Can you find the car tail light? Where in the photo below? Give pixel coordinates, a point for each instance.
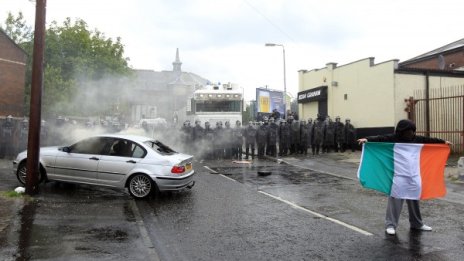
(178, 169)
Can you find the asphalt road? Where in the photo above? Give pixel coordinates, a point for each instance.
(293, 214)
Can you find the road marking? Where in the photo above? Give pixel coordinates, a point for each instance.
(211, 170)
(228, 177)
(318, 214)
(153, 256)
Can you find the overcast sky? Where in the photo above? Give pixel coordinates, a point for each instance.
(223, 40)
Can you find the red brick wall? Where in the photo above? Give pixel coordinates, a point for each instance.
(452, 60)
(12, 78)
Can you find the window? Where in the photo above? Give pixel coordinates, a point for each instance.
(126, 148)
(218, 106)
(90, 146)
(138, 152)
(160, 147)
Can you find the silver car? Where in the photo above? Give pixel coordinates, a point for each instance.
(141, 164)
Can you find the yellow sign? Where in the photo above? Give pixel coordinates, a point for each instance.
(264, 104)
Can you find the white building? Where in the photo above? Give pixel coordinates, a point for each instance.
(371, 95)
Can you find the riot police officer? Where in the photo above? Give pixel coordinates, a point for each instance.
(198, 134)
(329, 135)
(318, 134)
(23, 135)
(295, 136)
(284, 137)
(208, 141)
(187, 136)
(219, 141)
(350, 135)
(339, 135)
(228, 140)
(237, 134)
(250, 140)
(272, 138)
(309, 128)
(303, 146)
(6, 143)
(261, 138)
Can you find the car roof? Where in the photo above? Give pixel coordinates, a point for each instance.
(137, 138)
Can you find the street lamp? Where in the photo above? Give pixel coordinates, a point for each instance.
(285, 77)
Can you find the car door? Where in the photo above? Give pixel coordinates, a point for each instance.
(121, 158)
(80, 161)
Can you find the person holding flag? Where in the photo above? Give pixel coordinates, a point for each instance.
(401, 166)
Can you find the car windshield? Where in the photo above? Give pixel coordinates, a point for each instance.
(160, 147)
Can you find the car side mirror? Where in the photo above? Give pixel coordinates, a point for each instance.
(66, 149)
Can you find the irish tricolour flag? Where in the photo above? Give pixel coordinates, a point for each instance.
(404, 170)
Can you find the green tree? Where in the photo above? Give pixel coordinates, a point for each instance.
(247, 115)
(74, 57)
(17, 29)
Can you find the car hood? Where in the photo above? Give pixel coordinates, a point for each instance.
(44, 151)
(50, 150)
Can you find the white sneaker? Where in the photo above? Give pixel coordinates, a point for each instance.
(390, 231)
(424, 228)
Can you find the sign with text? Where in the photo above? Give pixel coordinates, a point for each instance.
(268, 100)
(314, 94)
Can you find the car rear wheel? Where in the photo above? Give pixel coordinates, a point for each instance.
(21, 174)
(140, 186)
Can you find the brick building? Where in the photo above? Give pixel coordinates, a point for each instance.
(12, 77)
(448, 57)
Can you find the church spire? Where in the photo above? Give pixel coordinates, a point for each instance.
(177, 64)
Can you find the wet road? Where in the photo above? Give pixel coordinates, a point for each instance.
(293, 214)
(70, 222)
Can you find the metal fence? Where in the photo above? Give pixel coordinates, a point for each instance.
(440, 115)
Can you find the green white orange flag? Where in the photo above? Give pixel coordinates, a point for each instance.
(404, 170)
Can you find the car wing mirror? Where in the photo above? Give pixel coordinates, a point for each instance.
(66, 149)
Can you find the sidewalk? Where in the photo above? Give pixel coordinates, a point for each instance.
(451, 170)
(346, 165)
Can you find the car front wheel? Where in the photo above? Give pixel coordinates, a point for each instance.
(21, 174)
(140, 186)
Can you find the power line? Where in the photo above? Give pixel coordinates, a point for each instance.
(269, 20)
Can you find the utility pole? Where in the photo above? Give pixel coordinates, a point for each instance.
(33, 141)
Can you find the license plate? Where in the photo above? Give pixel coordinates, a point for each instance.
(188, 167)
